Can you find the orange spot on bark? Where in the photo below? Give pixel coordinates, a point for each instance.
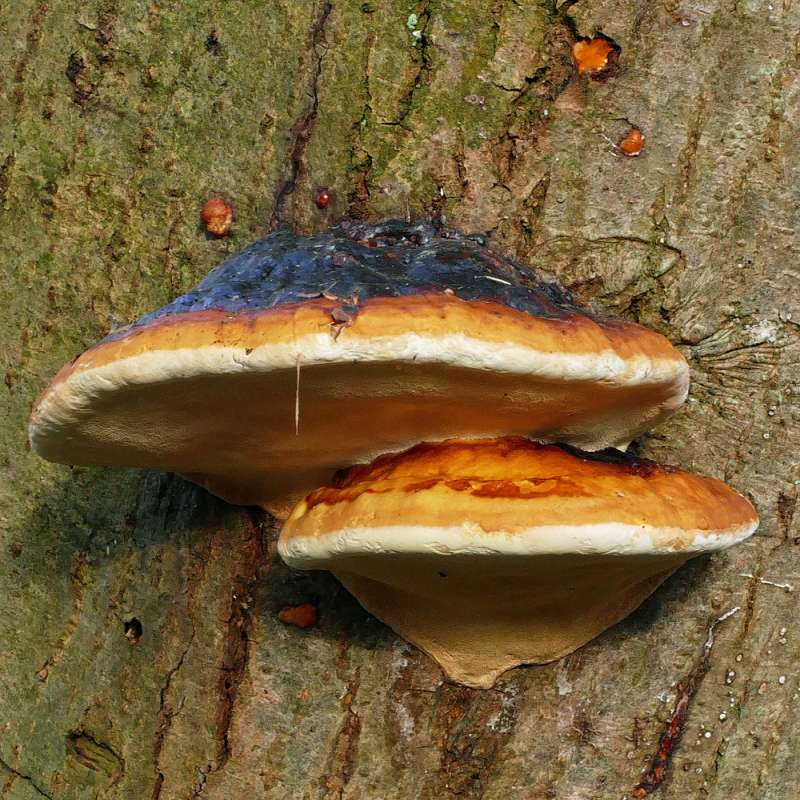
(595, 55)
(633, 142)
(217, 216)
(300, 616)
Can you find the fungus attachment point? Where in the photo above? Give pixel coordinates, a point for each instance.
(632, 143)
(405, 332)
(596, 56)
(543, 546)
(217, 216)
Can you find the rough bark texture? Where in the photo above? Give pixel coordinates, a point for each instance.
(141, 655)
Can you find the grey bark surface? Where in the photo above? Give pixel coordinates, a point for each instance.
(118, 119)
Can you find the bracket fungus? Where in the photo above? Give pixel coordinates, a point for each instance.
(304, 354)
(492, 553)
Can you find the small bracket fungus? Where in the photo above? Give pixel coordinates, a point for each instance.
(488, 554)
(305, 354)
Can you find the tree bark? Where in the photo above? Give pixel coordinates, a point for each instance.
(141, 655)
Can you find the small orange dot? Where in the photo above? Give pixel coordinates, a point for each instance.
(633, 142)
(300, 616)
(593, 55)
(217, 216)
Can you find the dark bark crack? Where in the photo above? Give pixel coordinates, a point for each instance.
(424, 66)
(5, 177)
(301, 131)
(474, 727)
(79, 581)
(360, 159)
(17, 774)
(33, 37)
(165, 716)
(656, 773)
(95, 755)
(342, 757)
(524, 121)
(236, 646)
(787, 504)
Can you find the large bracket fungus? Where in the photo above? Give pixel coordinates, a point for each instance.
(302, 355)
(305, 354)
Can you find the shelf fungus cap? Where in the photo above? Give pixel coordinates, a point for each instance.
(304, 354)
(487, 554)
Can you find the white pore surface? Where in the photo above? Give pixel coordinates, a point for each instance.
(75, 395)
(470, 539)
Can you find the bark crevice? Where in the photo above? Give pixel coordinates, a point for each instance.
(303, 128)
(27, 778)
